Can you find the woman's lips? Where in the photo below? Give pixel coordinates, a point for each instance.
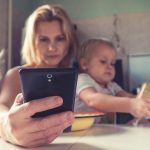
(52, 56)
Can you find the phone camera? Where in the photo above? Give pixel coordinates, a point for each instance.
(49, 76)
(49, 80)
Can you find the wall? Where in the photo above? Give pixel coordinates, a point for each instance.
(20, 10)
(87, 9)
(139, 70)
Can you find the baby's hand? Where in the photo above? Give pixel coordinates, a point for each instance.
(140, 108)
(141, 105)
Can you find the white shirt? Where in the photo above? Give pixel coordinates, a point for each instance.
(85, 81)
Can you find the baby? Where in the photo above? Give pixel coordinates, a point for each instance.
(96, 90)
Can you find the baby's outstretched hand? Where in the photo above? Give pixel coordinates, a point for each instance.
(140, 107)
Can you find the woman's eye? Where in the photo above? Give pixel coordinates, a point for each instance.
(43, 40)
(60, 39)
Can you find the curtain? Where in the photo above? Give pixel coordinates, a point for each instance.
(3, 36)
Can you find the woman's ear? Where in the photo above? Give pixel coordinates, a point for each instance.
(83, 63)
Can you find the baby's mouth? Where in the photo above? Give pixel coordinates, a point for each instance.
(108, 73)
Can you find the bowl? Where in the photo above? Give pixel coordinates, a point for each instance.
(84, 120)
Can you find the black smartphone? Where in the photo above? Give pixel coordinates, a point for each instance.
(44, 82)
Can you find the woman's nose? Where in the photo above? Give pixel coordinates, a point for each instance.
(52, 46)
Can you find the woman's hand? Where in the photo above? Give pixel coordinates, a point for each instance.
(18, 127)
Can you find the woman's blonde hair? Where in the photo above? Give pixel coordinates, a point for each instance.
(48, 13)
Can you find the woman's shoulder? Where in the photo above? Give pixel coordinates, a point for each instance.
(12, 75)
(11, 79)
(13, 71)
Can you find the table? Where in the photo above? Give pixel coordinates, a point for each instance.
(99, 137)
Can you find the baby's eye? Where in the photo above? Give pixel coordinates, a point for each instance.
(113, 64)
(103, 61)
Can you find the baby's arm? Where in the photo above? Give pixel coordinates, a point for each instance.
(104, 102)
(107, 103)
(124, 93)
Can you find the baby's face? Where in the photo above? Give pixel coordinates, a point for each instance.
(101, 64)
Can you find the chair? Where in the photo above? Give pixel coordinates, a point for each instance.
(121, 118)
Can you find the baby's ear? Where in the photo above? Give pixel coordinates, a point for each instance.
(83, 63)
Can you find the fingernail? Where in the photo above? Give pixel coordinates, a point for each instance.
(19, 99)
(60, 99)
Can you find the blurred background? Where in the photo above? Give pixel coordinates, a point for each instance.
(126, 23)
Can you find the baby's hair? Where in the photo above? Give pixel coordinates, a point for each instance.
(89, 45)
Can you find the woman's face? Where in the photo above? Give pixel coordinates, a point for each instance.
(51, 43)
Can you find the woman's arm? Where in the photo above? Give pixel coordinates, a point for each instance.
(18, 127)
(10, 88)
(16, 123)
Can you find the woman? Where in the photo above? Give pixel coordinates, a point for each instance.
(50, 42)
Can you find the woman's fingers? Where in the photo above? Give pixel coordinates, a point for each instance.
(46, 136)
(19, 99)
(64, 120)
(40, 142)
(29, 131)
(30, 108)
(45, 130)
